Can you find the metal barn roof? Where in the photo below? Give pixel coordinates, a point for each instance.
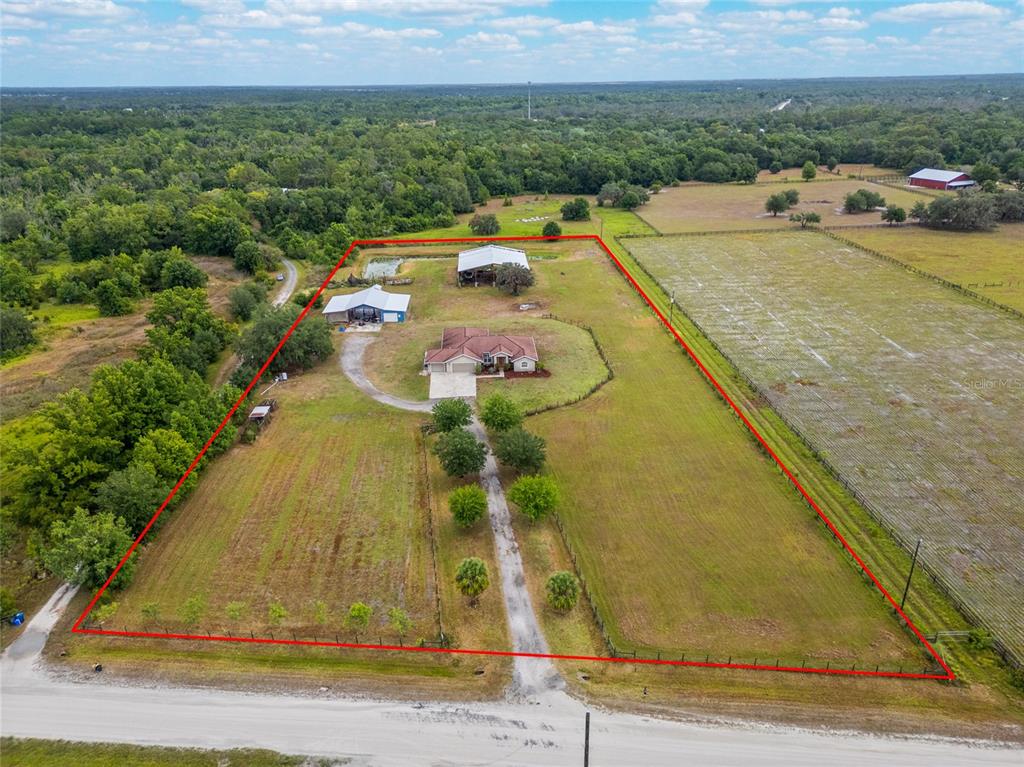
(374, 296)
(933, 174)
(490, 255)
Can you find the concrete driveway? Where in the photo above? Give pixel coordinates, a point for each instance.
(446, 385)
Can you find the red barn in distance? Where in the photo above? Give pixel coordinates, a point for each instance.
(941, 179)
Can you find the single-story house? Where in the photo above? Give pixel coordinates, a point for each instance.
(371, 305)
(462, 349)
(477, 265)
(932, 178)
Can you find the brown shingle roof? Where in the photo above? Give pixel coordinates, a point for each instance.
(475, 342)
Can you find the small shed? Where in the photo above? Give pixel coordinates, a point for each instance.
(932, 178)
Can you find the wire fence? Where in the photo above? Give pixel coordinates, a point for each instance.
(942, 584)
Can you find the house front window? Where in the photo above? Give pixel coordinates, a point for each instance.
(487, 359)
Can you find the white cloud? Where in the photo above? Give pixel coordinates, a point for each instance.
(842, 19)
(592, 28)
(218, 6)
(495, 41)
(22, 22)
(353, 30)
(259, 19)
(142, 46)
(104, 9)
(13, 41)
(523, 23)
(952, 9)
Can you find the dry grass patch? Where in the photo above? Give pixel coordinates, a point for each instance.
(731, 206)
(989, 263)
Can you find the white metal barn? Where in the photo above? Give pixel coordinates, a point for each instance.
(477, 266)
(371, 305)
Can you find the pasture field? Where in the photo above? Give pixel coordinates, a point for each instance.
(989, 263)
(327, 504)
(337, 501)
(703, 208)
(909, 389)
(660, 484)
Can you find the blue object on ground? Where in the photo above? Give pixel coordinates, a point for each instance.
(17, 619)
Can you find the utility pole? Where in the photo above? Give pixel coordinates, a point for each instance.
(529, 100)
(913, 563)
(671, 306)
(586, 742)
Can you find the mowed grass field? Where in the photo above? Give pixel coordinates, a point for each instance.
(328, 504)
(662, 488)
(727, 206)
(989, 263)
(905, 386)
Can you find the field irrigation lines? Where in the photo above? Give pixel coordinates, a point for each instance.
(79, 628)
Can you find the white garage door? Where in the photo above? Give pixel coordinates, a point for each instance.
(463, 367)
(391, 316)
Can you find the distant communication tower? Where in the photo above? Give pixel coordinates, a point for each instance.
(529, 100)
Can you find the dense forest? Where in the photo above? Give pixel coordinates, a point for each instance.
(118, 186)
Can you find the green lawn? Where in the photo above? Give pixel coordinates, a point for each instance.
(395, 359)
(30, 752)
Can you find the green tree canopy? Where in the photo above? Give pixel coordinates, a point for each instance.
(86, 548)
(576, 210)
(17, 331)
(535, 496)
(499, 413)
(472, 578)
(460, 453)
(467, 504)
(520, 450)
(562, 591)
(449, 414)
(809, 171)
(512, 278)
(308, 344)
(484, 225)
(358, 618)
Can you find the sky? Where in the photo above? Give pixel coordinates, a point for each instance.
(391, 42)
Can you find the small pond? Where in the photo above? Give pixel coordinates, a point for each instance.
(382, 267)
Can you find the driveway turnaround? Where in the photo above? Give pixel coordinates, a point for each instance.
(352, 366)
(448, 385)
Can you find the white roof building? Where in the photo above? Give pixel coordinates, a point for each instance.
(491, 255)
(373, 304)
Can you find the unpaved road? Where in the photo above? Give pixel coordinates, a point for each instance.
(351, 360)
(291, 279)
(386, 734)
(532, 678)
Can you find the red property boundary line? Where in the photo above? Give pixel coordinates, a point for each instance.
(78, 629)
